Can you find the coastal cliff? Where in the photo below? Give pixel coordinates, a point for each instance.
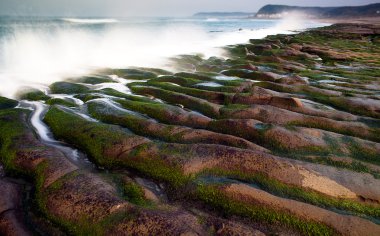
(279, 11)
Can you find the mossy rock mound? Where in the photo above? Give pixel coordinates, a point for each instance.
(68, 88)
(156, 71)
(95, 79)
(134, 74)
(33, 95)
(115, 93)
(59, 101)
(6, 103)
(194, 76)
(85, 97)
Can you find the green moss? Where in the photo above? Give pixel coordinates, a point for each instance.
(156, 71)
(277, 87)
(241, 73)
(33, 95)
(6, 103)
(345, 130)
(282, 149)
(158, 111)
(220, 89)
(68, 88)
(150, 159)
(11, 129)
(128, 189)
(373, 123)
(199, 93)
(157, 169)
(217, 200)
(40, 196)
(91, 137)
(175, 79)
(235, 107)
(93, 79)
(134, 193)
(138, 124)
(197, 104)
(360, 152)
(195, 77)
(236, 51)
(354, 165)
(84, 225)
(94, 138)
(258, 134)
(340, 102)
(293, 192)
(134, 74)
(85, 97)
(59, 101)
(206, 66)
(192, 80)
(115, 93)
(324, 159)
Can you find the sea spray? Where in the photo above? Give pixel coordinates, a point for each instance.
(35, 54)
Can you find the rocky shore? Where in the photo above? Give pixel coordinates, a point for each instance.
(281, 138)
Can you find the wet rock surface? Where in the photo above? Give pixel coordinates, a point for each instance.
(281, 138)
(12, 221)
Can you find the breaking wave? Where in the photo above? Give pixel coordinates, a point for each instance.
(39, 56)
(89, 21)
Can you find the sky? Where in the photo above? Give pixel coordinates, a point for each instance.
(125, 8)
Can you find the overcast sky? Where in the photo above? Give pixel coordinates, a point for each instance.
(149, 7)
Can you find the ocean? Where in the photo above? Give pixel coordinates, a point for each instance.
(36, 51)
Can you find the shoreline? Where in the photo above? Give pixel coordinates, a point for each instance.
(19, 69)
(361, 20)
(287, 124)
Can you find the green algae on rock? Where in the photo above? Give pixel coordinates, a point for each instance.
(281, 137)
(68, 88)
(6, 103)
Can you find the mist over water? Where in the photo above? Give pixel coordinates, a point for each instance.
(37, 52)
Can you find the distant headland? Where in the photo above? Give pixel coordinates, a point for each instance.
(280, 11)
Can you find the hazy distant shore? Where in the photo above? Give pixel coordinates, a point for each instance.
(365, 20)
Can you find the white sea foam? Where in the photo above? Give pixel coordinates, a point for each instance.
(89, 21)
(41, 128)
(210, 84)
(212, 20)
(37, 57)
(225, 77)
